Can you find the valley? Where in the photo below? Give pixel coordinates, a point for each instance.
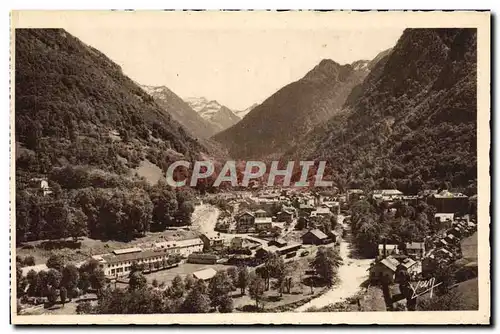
(390, 198)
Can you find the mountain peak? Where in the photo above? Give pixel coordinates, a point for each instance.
(212, 111)
(329, 69)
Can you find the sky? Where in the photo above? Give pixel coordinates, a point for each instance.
(237, 65)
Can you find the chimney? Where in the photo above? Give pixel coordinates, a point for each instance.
(384, 249)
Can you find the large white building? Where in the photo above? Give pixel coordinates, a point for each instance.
(119, 262)
(181, 247)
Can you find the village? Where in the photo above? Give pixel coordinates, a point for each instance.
(246, 227)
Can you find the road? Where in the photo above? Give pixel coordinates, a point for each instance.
(351, 273)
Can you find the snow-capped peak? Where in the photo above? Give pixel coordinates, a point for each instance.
(243, 113)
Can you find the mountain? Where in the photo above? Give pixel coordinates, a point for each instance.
(212, 111)
(283, 119)
(412, 123)
(244, 112)
(181, 111)
(74, 106)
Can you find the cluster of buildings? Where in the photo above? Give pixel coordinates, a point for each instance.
(444, 201)
(421, 258)
(447, 247)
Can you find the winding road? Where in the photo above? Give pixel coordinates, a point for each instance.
(351, 273)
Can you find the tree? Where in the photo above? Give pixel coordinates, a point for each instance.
(233, 274)
(325, 263)
(189, 282)
(84, 282)
(54, 278)
(29, 261)
(226, 304)
(243, 278)
(63, 293)
(42, 286)
(70, 278)
(56, 262)
(164, 205)
(263, 272)
(256, 288)
(77, 223)
(276, 268)
(21, 281)
(196, 301)
(177, 289)
(98, 279)
(137, 281)
(155, 283)
(52, 295)
(136, 267)
(219, 287)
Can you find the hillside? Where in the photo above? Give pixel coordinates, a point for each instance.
(283, 119)
(413, 120)
(219, 116)
(87, 129)
(75, 106)
(181, 111)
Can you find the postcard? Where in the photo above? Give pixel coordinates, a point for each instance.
(250, 167)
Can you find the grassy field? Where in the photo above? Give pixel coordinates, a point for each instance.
(182, 270)
(149, 171)
(469, 247)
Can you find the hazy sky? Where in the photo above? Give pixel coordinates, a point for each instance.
(236, 66)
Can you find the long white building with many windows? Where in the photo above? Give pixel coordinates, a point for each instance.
(119, 262)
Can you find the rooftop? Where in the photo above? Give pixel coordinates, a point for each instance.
(387, 192)
(213, 236)
(415, 245)
(263, 220)
(114, 258)
(317, 233)
(390, 263)
(321, 211)
(127, 250)
(179, 243)
(205, 274)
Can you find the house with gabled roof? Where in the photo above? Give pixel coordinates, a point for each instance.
(315, 237)
(384, 270)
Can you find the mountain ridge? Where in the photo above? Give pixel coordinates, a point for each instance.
(283, 119)
(181, 111)
(418, 97)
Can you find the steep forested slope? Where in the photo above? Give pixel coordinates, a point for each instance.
(84, 127)
(413, 120)
(74, 105)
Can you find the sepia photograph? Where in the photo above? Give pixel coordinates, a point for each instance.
(259, 167)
